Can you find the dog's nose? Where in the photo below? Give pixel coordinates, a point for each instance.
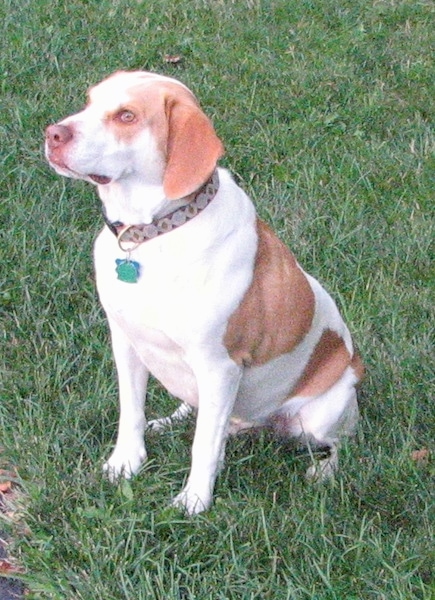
(57, 135)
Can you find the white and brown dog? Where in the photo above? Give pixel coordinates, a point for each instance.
(198, 291)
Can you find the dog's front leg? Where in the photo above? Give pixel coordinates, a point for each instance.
(217, 387)
(129, 452)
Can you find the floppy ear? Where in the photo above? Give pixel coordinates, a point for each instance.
(193, 149)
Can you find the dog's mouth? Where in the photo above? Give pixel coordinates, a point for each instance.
(59, 165)
(63, 169)
(100, 179)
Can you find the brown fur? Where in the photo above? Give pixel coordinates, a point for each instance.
(277, 309)
(327, 363)
(193, 149)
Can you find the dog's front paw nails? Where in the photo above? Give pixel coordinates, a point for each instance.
(191, 502)
(122, 465)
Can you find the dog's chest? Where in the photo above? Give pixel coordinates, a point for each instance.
(147, 319)
(159, 314)
(162, 298)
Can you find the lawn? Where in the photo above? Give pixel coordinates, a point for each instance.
(326, 111)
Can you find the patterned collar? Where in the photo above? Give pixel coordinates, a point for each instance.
(137, 234)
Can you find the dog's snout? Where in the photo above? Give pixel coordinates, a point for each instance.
(57, 135)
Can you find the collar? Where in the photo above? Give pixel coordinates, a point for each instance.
(197, 202)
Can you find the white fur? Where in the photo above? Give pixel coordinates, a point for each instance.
(172, 322)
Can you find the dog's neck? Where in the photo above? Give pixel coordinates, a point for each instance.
(131, 202)
(166, 215)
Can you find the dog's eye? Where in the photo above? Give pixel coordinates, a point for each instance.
(126, 116)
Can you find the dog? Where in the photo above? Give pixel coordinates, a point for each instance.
(198, 291)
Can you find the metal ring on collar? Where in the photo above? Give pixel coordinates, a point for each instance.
(135, 244)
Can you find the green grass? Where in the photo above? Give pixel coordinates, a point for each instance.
(325, 109)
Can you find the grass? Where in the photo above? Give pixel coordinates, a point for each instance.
(325, 109)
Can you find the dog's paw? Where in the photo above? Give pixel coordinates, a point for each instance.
(121, 464)
(180, 414)
(323, 470)
(191, 502)
(159, 425)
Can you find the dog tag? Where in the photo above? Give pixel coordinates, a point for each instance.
(127, 270)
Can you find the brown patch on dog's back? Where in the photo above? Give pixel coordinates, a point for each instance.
(278, 308)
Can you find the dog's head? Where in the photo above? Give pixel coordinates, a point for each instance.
(141, 125)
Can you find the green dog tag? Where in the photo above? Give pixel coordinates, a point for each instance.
(127, 270)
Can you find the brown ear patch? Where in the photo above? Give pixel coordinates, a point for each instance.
(193, 148)
(278, 308)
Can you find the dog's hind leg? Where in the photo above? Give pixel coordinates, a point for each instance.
(181, 413)
(321, 422)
